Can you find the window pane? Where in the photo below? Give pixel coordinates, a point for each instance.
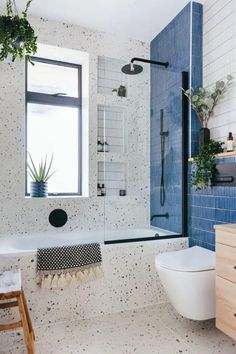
(52, 79)
(54, 130)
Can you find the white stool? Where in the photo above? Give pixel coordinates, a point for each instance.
(10, 288)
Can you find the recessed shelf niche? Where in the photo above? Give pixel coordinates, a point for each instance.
(113, 176)
(112, 128)
(112, 165)
(110, 75)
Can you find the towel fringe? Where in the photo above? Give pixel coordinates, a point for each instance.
(66, 279)
(68, 270)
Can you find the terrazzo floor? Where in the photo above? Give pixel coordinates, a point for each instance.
(151, 330)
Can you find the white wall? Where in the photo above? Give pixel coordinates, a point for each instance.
(219, 60)
(21, 215)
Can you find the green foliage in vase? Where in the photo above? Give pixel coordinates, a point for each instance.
(204, 101)
(17, 37)
(43, 172)
(203, 169)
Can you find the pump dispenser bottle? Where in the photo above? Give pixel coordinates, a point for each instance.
(230, 143)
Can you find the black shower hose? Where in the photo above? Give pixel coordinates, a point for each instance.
(162, 190)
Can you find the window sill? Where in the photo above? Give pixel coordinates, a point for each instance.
(58, 197)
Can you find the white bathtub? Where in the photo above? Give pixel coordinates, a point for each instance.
(28, 244)
(130, 279)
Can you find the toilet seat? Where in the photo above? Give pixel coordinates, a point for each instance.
(194, 259)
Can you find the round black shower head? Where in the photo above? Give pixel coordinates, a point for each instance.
(132, 69)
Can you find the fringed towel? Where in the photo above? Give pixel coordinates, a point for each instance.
(68, 266)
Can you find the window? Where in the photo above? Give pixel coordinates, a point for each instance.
(54, 122)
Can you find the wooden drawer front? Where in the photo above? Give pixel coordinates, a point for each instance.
(226, 306)
(226, 238)
(226, 262)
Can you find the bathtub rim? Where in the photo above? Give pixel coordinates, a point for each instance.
(7, 248)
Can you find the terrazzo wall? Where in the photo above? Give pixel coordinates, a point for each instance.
(25, 215)
(130, 281)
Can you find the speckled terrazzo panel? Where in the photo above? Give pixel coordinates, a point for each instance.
(20, 215)
(130, 281)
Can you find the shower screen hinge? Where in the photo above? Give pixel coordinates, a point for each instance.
(164, 133)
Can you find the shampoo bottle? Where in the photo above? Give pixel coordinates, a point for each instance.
(99, 145)
(105, 146)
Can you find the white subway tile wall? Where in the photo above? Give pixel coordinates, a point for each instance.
(110, 75)
(219, 58)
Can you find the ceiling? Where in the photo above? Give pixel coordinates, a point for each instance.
(139, 19)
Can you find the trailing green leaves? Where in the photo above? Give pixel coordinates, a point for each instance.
(17, 37)
(43, 172)
(203, 169)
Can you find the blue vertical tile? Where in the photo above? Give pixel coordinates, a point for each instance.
(172, 44)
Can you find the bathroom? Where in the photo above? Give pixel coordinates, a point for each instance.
(101, 100)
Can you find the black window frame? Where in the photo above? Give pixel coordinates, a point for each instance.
(56, 100)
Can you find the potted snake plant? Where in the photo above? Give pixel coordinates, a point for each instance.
(40, 176)
(17, 37)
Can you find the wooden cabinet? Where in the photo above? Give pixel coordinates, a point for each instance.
(226, 279)
(226, 262)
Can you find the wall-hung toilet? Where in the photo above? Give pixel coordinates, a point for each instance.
(188, 277)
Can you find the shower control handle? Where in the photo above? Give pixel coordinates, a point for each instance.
(166, 215)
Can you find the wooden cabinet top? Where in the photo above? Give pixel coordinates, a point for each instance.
(226, 228)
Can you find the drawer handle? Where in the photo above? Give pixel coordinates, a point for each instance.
(234, 267)
(234, 314)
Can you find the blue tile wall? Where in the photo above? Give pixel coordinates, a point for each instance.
(209, 207)
(172, 45)
(214, 205)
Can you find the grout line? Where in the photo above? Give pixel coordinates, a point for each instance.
(220, 57)
(206, 42)
(218, 11)
(210, 7)
(206, 53)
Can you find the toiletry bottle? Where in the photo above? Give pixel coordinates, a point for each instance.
(122, 192)
(99, 190)
(100, 145)
(122, 91)
(103, 189)
(105, 146)
(230, 142)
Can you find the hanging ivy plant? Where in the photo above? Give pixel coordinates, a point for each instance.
(203, 169)
(17, 37)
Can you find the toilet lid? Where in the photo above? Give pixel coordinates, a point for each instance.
(192, 259)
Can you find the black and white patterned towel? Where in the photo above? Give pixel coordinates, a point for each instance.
(56, 260)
